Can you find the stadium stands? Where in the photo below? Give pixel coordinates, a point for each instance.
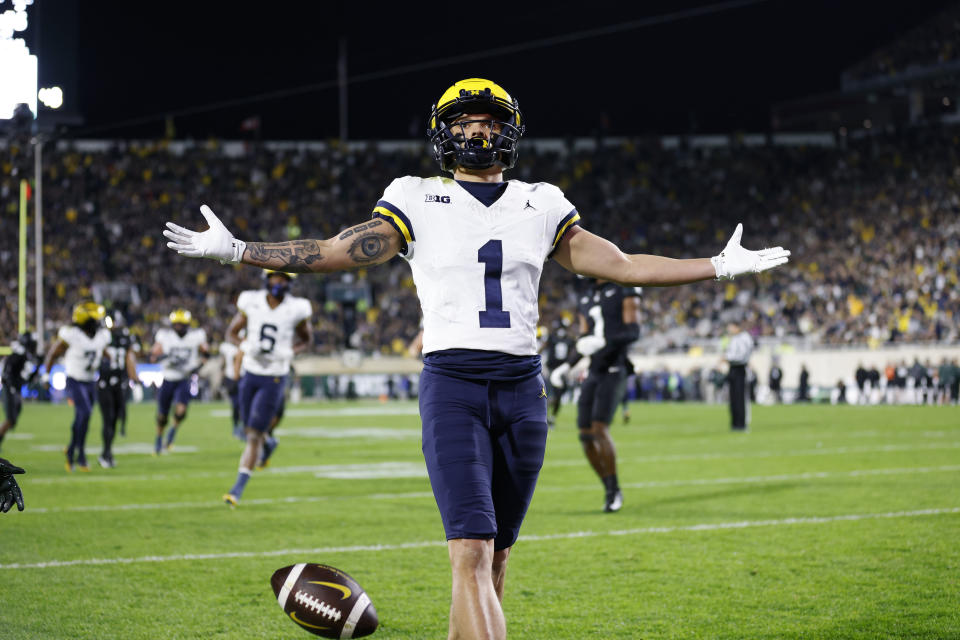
(872, 224)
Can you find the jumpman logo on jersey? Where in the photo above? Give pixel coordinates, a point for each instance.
(543, 392)
(529, 206)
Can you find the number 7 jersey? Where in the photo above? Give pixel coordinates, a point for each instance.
(477, 268)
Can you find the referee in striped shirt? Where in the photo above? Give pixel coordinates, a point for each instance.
(738, 354)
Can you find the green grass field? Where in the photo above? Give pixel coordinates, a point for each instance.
(822, 522)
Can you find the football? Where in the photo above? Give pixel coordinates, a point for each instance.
(325, 601)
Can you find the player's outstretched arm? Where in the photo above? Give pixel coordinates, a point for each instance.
(363, 245)
(56, 350)
(587, 254)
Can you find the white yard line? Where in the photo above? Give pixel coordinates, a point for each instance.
(710, 526)
(210, 504)
(817, 451)
(350, 471)
(388, 410)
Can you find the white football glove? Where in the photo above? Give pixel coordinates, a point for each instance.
(216, 242)
(734, 260)
(589, 345)
(558, 375)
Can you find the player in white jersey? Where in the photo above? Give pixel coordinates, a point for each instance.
(231, 378)
(182, 351)
(82, 344)
(476, 246)
(277, 325)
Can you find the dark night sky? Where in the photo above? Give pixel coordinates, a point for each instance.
(718, 72)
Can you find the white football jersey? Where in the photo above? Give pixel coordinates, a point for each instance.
(229, 351)
(183, 354)
(82, 357)
(268, 347)
(477, 269)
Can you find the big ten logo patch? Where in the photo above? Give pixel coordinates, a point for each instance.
(433, 198)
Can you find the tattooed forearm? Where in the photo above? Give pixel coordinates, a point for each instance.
(360, 227)
(297, 256)
(368, 248)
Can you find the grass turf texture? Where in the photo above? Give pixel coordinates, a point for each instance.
(722, 535)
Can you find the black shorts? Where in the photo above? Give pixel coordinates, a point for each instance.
(12, 403)
(600, 395)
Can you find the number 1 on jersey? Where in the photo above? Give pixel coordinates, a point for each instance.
(493, 316)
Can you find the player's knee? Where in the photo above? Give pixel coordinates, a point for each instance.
(180, 414)
(471, 556)
(500, 559)
(586, 436)
(599, 429)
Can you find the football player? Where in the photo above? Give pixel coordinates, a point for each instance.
(277, 325)
(119, 365)
(18, 368)
(231, 378)
(476, 246)
(82, 345)
(609, 324)
(182, 350)
(560, 346)
(270, 442)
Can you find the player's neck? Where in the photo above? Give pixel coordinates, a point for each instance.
(491, 175)
(273, 301)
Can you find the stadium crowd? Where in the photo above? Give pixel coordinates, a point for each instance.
(934, 42)
(872, 224)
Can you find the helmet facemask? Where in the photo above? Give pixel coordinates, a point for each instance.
(277, 283)
(453, 149)
(449, 140)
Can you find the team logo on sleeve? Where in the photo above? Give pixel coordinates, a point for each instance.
(433, 198)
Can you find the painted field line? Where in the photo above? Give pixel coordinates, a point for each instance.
(321, 470)
(412, 410)
(217, 504)
(336, 433)
(818, 451)
(332, 471)
(709, 526)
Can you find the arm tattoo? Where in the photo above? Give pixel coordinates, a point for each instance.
(367, 248)
(296, 256)
(360, 227)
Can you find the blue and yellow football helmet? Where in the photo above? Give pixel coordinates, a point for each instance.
(475, 95)
(83, 312)
(180, 316)
(270, 272)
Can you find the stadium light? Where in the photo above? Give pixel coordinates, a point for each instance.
(51, 97)
(18, 68)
